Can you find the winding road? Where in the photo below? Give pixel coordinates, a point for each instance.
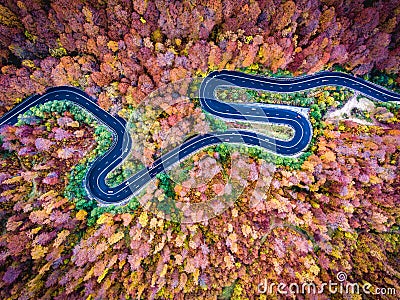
(296, 118)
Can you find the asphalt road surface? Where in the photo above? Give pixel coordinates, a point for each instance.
(95, 181)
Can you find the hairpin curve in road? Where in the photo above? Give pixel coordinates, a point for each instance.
(95, 180)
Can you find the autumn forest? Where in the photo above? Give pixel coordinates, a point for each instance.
(333, 209)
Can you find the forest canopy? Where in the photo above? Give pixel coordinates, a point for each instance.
(333, 209)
